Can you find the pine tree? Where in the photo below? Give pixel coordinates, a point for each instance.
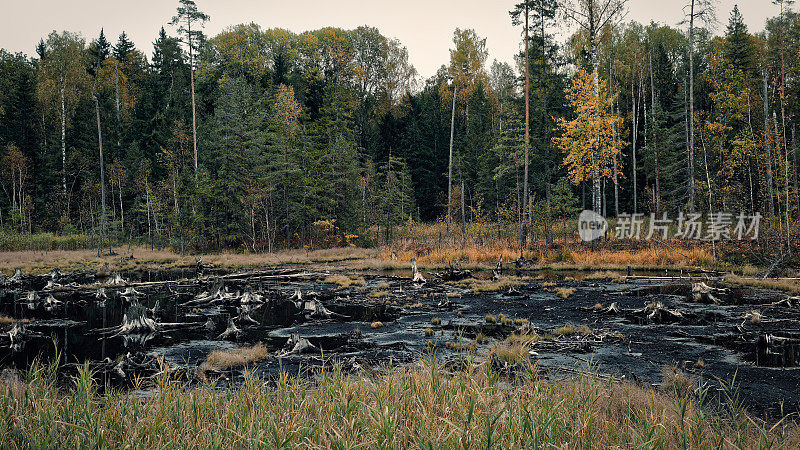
(187, 17)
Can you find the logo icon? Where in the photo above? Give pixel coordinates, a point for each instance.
(591, 225)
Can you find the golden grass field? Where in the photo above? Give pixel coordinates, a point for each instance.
(421, 406)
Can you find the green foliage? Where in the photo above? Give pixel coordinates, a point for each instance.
(334, 126)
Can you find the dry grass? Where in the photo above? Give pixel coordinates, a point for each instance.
(513, 350)
(418, 406)
(647, 257)
(143, 257)
(478, 286)
(473, 255)
(505, 320)
(566, 330)
(482, 246)
(429, 332)
(344, 281)
(490, 318)
(675, 380)
(564, 292)
(376, 324)
(750, 270)
(5, 320)
(436, 321)
(781, 284)
(754, 317)
(614, 277)
(482, 253)
(462, 346)
(378, 294)
(227, 359)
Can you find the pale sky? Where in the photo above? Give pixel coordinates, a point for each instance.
(424, 26)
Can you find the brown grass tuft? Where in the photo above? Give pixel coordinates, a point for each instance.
(6, 320)
(344, 281)
(566, 330)
(674, 380)
(227, 359)
(565, 292)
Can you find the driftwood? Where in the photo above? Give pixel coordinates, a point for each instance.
(51, 302)
(703, 293)
(137, 363)
(416, 276)
(296, 345)
(116, 280)
(232, 332)
(513, 292)
(137, 320)
(18, 334)
(244, 317)
(454, 272)
(656, 312)
(788, 302)
(17, 277)
(54, 274)
(497, 272)
(130, 292)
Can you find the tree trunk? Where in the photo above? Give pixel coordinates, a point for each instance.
(121, 211)
(691, 109)
(463, 212)
(191, 78)
(63, 142)
(634, 133)
(767, 146)
(527, 134)
(116, 89)
(450, 160)
(794, 166)
(596, 152)
(102, 169)
(657, 192)
(614, 137)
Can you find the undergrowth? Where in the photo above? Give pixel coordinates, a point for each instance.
(420, 406)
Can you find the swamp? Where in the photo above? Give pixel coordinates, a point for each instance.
(200, 323)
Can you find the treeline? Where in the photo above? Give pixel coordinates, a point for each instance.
(264, 139)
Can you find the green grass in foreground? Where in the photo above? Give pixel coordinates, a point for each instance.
(419, 407)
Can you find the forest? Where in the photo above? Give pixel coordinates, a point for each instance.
(268, 238)
(262, 139)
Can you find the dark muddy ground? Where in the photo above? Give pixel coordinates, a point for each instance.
(124, 325)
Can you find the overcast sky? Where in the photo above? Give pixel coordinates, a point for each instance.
(424, 26)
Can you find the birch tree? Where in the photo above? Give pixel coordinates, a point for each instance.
(588, 141)
(702, 10)
(62, 80)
